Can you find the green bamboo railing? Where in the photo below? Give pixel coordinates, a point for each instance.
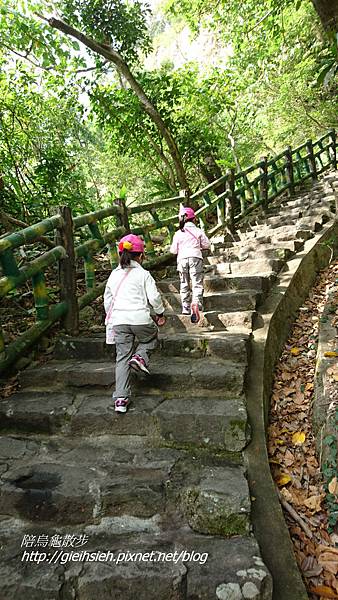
(224, 202)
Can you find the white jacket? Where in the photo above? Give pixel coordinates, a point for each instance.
(137, 291)
(189, 242)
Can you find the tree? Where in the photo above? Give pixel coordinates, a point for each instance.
(111, 55)
(328, 13)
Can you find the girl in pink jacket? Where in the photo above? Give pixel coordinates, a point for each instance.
(188, 243)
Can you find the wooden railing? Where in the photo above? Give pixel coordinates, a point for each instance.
(221, 204)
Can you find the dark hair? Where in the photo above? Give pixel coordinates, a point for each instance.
(183, 220)
(126, 256)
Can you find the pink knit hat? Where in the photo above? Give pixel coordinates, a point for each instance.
(132, 243)
(186, 211)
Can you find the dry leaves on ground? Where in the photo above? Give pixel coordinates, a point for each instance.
(292, 448)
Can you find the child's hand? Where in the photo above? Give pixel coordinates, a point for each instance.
(160, 320)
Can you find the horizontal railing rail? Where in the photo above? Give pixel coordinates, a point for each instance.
(224, 203)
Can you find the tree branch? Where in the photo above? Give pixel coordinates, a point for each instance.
(25, 57)
(112, 56)
(95, 68)
(6, 219)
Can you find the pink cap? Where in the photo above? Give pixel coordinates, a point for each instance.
(186, 211)
(132, 243)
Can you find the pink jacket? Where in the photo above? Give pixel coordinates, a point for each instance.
(190, 242)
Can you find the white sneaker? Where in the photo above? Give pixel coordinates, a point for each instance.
(121, 405)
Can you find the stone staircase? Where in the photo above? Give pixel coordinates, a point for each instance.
(165, 482)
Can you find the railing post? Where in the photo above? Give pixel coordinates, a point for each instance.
(149, 246)
(289, 171)
(312, 160)
(333, 136)
(263, 183)
(185, 195)
(40, 297)
(67, 272)
(230, 199)
(8, 263)
(2, 345)
(122, 219)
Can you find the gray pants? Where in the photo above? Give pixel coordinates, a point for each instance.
(125, 348)
(191, 269)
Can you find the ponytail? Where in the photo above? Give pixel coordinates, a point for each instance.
(126, 256)
(182, 222)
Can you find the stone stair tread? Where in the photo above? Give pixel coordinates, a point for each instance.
(231, 300)
(205, 343)
(164, 374)
(219, 565)
(255, 244)
(213, 420)
(249, 266)
(63, 482)
(235, 322)
(206, 422)
(252, 252)
(235, 282)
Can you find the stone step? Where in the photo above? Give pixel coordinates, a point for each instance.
(304, 223)
(256, 244)
(207, 422)
(252, 251)
(305, 203)
(230, 301)
(140, 559)
(219, 502)
(218, 344)
(276, 221)
(318, 211)
(286, 233)
(233, 322)
(205, 373)
(214, 283)
(212, 422)
(261, 266)
(70, 482)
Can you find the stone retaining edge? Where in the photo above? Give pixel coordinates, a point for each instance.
(277, 314)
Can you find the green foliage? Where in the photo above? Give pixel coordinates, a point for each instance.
(73, 132)
(277, 56)
(120, 24)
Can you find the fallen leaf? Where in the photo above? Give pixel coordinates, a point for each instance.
(295, 351)
(330, 549)
(283, 479)
(289, 459)
(298, 438)
(324, 591)
(314, 503)
(333, 486)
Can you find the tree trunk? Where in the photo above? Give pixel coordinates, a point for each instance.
(327, 11)
(112, 56)
(211, 171)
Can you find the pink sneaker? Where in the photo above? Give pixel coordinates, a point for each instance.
(121, 405)
(138, 363)
(195, 313)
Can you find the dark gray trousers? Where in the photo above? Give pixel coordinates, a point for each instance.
(191, 270)
(145, 337)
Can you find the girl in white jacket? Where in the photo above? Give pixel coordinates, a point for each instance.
(129, 291)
